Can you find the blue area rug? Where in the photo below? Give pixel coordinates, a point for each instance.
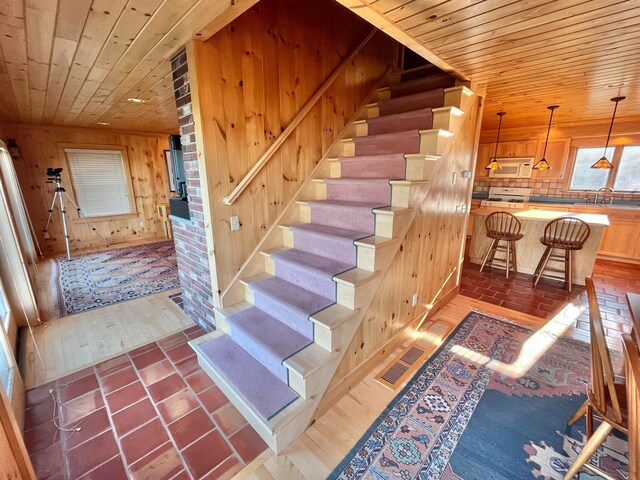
(491, 404)
(98, 279)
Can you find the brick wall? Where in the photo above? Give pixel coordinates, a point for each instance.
(190, 239)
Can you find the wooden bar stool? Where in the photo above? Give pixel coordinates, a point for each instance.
(568, 234)
(502, 226)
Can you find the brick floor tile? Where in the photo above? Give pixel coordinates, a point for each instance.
(199, 381)
(148, 358)
(172, 341)
(90, 426)
(49, 461)
(119, 379)
(229, 419)
(125, 396)
(133, 416)
(156, 372)
(248, 444)
(42, 437)
(143, 349)
(140, 442)
(190, 427)
(163, 463)
(180, 353)
(188, 366)
(40, 413)
(37, 395)
(74, 410)
(77, 388)
(166, 387)
(177, 405)
(87, 456)
(225, 471)
(113, 365)
(110, 470)
(213, 399)
(206, 453)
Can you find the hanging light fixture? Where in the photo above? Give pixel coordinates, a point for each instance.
(493, 164)
(603, 163)
(542, 164)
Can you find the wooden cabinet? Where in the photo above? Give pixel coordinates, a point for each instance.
(620, 239)
(475, 203)
(557, 155)
(485, 152)
(527, 148)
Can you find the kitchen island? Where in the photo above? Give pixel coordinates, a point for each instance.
(529, 249)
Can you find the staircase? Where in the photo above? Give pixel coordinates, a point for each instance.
(299, 302)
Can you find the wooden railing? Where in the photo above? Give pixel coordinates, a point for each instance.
(266, 156)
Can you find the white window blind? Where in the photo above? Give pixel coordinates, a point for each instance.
(628, 175)
(99, 181)
(587, 178)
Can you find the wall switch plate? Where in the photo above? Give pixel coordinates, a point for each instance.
(235, 223)
(46, 235)
(454, 178)
(414, 300)
(141, 224)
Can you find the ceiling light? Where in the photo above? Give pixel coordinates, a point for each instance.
(604, 163)
(135, 100)
(493, 164)
(542, 164)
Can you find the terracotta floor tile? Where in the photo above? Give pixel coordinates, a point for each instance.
(133, 416)
(182, 476)
(37, 395)
(166, 387)
(113, 365)
(161, 464)
(110, 470)
(72, 411)
(194, 329)
(119, 379)
(143, 349)
(190, 427)
(125, 396)
(213, 399)
(73, 377)
(48, 462)
(199, 381)
(180, 353)
(40, 438)
(87, 456)
(226, 470)
(77, 388)
(142, 441)
(177, 405)
(156, 372)
(248, 444)
(229, 419)
(206, 453)
(188, 366)
(40, 413)
(148, 358)
(172, 341)
(90, 426)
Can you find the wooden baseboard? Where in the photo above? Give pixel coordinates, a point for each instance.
(334, 394)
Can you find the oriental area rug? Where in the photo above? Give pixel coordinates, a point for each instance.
(491, 404)
(103, 278)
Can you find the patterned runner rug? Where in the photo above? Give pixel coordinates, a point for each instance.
(491, 403)
(103, 278)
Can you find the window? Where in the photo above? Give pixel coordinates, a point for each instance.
(99, 182)
(622, 178)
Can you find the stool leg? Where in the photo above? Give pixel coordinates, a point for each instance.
(515, 257)
(542, 265)
(507, 259)
(486, 257)
(569, 267)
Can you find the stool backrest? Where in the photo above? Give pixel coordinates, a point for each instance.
(567, 231)
(502, 223)
(632, 374)
(602, 376)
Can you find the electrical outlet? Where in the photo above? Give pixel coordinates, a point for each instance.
(141, 224)
(235, 223)
(414, 300)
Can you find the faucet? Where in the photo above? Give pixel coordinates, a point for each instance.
(609, 189)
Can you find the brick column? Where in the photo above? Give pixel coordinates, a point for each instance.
(190, 238)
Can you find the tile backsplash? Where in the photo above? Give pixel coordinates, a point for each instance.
(542, 188)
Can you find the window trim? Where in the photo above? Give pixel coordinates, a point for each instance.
(68, 184)
(615, 160)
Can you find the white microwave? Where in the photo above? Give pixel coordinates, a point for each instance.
(513, 168)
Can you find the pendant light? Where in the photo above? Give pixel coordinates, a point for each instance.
(542, 164)
(493, 164)
(603, 163)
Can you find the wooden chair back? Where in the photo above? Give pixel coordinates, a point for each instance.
(603, 391)
(566, 232)
(502, 225)
(632, 374)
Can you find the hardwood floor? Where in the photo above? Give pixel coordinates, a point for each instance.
(319, 450)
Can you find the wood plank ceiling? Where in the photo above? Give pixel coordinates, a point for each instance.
(76, 62)
(528, 53)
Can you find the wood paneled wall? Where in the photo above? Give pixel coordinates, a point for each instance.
(427, 264)
(39, 150)
(252, 79)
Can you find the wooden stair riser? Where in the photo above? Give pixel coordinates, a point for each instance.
(367, 255)
(417, 165)
(434, 141)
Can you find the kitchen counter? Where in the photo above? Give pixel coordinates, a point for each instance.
(529, 249)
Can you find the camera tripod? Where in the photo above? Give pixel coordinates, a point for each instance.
(53, 176)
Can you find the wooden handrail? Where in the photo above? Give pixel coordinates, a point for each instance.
(266, 156)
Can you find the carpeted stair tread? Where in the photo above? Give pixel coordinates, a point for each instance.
(289, 303)
(327, 241)
(422, 84)
(267, 340)
(388, 165)
(324, 231)
(429, 99)
(374, 190)
(420, 119)
(403, 141)
(266, 394)
(321, 265)
(358, 216)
